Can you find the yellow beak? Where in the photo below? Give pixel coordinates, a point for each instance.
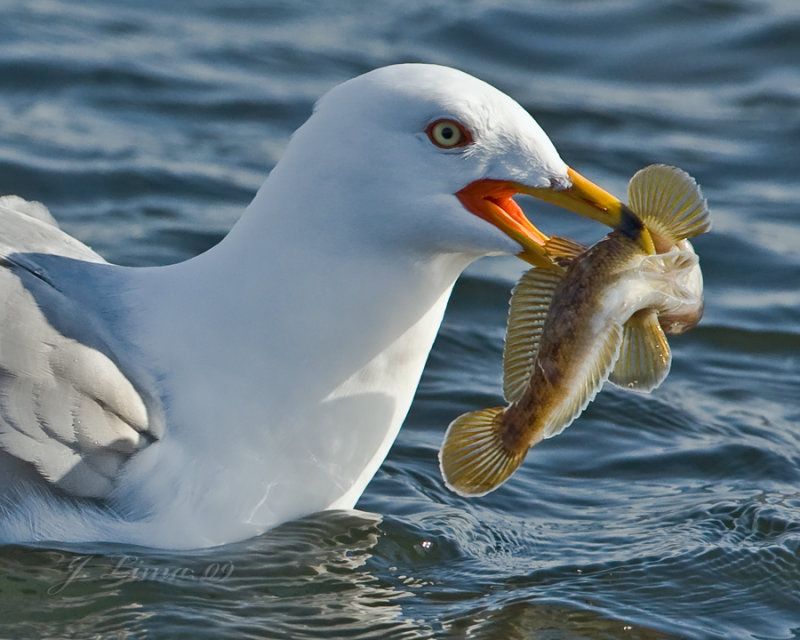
(492, 201)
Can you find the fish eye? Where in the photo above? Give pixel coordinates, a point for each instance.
(447, 134)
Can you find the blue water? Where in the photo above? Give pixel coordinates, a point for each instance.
(147, 126)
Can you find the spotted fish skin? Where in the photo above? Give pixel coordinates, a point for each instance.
(594, 316)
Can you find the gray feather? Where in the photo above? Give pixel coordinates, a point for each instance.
(66, 407)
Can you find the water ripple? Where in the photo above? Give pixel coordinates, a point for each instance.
(147, 128)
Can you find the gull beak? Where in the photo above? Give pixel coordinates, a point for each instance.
(492, 201)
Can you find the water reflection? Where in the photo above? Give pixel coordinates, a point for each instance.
(296, 581)
(523, 620)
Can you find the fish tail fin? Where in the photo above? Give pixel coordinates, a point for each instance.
(669, 201)
(473, 459)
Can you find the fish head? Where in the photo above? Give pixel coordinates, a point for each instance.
(676, 278)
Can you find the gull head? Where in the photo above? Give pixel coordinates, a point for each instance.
(429, 158)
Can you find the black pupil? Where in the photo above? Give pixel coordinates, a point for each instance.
(448, 132)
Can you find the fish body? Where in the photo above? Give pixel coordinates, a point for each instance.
(601, 315)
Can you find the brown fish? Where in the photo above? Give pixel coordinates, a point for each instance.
(599, 316)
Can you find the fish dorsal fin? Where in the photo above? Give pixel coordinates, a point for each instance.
(669, 201)
(644, 357)
(530, 302)
(588, 381)
(474, 459)
(563, 250)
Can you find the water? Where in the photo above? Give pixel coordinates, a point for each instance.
(147, 126)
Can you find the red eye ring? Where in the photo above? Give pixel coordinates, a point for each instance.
(448, 134)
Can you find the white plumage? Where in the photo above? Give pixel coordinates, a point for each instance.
(203, 402)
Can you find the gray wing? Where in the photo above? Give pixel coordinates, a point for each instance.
(66, 407)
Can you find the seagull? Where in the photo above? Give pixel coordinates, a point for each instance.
(204, 402)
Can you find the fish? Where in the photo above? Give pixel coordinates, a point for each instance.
(597, 314)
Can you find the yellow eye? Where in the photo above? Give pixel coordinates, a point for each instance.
(448, 134)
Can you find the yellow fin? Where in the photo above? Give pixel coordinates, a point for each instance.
(473, 458)
(563, 250)
(594, 371)
(669, 201)
(530, 301)
(644, 357)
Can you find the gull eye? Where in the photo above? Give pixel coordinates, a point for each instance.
(448, 134)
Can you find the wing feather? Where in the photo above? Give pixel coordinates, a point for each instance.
(66, 407)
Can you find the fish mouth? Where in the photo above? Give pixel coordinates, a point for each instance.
(492, 200)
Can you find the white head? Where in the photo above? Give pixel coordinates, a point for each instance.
(430, 156)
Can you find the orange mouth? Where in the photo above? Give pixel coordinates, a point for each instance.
(492, 201)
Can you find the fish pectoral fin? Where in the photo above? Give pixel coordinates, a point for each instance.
(645, 357)
(474, 459)
(563, 250)
(530, 302)
(669, 201)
